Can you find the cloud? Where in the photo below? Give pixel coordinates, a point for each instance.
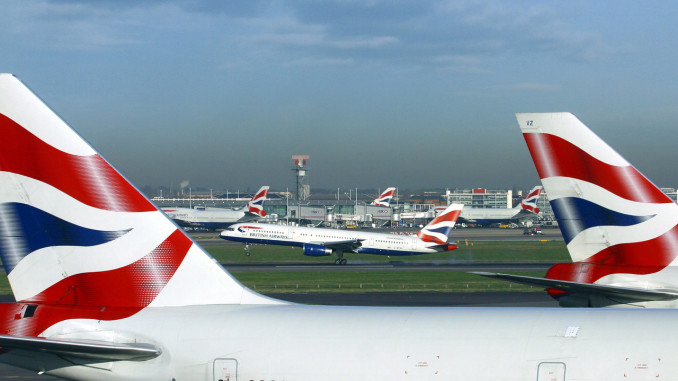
(67, 26)
(424, 33)
(534, 87)
(357, 31)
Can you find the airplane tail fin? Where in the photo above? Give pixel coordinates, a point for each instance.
(529, 202)
(613, 219)
(74, 231)
(438, 230)
(256, 204)
(385, 197)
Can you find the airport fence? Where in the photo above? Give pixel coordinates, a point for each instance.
(394, 287)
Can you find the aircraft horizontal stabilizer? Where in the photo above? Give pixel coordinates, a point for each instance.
(633, 294)
(445, 247)
(85, 350)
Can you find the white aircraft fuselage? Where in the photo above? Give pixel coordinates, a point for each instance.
(210, 218)
(295, 342)
(492, 215)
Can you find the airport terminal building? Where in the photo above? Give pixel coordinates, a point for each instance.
(404, 210)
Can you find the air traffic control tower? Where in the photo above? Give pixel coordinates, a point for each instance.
(299, 167)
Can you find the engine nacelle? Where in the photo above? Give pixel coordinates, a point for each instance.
(313, 250)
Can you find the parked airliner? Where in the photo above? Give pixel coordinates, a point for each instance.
(219, 218)
(109, 288)
(379, 210)
(621, 230)
(485, 216)
(318, 242)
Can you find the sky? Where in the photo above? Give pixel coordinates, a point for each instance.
(413, 94)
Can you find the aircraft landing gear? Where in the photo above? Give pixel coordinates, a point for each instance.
(247, 249)
(340, 259)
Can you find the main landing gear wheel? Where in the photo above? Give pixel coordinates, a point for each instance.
(340, 261)
(247, 249)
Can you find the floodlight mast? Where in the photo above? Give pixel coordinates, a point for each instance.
(299, 167)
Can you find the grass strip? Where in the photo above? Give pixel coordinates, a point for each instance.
(410, 281)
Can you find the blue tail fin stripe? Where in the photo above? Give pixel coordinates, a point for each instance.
(25, 229)
(575, 215)
(444, 230)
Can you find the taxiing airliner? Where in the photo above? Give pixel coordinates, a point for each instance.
(621, 230)
(109, 288)
(318, 242)
(219, 218)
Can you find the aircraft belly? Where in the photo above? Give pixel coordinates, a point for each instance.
(296, 342)
(387, 251)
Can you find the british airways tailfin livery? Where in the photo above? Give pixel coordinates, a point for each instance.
(219, 218)
(620, 229)
(318, 242)
(108, 288)
(385, 197)
(529, 202)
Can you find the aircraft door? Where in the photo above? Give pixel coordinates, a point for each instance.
(551, 371)
(225, 370)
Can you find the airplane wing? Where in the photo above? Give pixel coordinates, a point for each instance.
(635, 294)
(81, 349)
(346, 245)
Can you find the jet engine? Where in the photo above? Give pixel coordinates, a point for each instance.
(313, 250)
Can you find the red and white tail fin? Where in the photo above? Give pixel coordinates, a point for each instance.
(74, 231)
(438, 230)
(385, 197)
(529, 202)
(613, 219)
(256, 204)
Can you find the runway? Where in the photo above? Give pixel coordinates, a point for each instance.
(401, 266)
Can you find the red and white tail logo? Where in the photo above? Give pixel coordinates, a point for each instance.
(613, 219)
(385, 198)
(74, 231)
(256, 204)
(438, 230)
(530, 201)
